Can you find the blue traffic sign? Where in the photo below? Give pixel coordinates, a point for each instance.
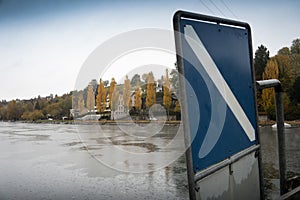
(217, 63)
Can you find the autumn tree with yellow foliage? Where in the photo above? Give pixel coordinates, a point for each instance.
(90, 99)
(167, 95)
(177, 108)
(101, 97)
(138, 100)
(80, 102)
(271, 72)
(113, 84)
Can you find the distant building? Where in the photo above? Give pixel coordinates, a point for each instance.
(132, 97)
(74, 113)
(159, 86)
(95, 86)
(49, 98)
(120, 112)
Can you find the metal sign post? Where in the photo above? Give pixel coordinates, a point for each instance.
(274, 83)
(214, 57)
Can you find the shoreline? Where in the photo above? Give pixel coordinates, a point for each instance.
(101, 122)
(268, 123)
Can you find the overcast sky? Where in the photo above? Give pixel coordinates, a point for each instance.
(43, 44)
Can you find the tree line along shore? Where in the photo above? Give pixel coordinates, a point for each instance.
(138, 94)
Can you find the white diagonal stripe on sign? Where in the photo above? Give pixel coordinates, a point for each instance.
(217, 78)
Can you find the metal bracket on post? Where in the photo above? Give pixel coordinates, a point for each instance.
(274, 83)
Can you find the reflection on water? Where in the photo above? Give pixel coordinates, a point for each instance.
(118, 148)
(45, 161)
(49, 161)
(269, 150)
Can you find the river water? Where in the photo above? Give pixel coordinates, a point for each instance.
(67, 161)
(269, 150)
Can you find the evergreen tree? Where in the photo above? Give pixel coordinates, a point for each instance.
(295, 48)
(177, 110)
(136, 79)
(295, 58)
(260, 61)
(295, 97)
